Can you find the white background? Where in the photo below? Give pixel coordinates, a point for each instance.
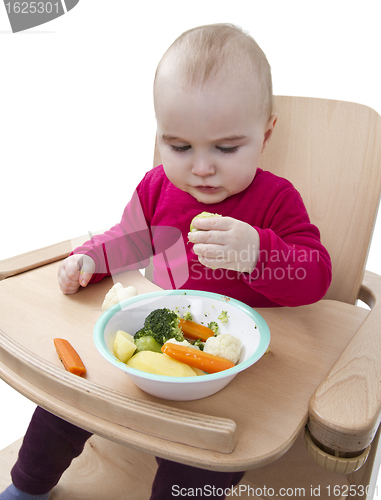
(77, 124)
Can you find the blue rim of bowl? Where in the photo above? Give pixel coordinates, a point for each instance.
(262, 326)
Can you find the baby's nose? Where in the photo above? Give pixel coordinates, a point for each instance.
(203, 167)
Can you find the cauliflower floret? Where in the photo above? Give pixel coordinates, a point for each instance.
(184, 342)
(118, 293)
(226, 346)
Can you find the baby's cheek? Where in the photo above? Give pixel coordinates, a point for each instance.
(175, 174)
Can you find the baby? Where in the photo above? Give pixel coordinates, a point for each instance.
(214, 109)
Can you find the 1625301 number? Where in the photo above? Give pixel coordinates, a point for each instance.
(346, 490)
(32, 7)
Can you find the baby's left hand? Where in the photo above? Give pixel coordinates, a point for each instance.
(224, 242)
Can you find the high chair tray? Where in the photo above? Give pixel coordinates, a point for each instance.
(250, 423)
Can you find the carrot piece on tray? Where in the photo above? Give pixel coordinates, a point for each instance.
(69, 357)
(194, 331)
(199, 359)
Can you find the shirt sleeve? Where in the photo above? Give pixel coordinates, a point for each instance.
(126, 246)
(293, 267)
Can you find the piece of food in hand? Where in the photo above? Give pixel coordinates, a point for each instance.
(116, 294)
(225, 345)
(194, 331)
(202, 215)
(69, 357)
(198, 359)
(123, 346)
(158, 364)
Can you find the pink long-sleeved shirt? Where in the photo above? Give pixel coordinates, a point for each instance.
(293, 267)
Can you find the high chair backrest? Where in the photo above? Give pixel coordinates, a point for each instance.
(331, 152)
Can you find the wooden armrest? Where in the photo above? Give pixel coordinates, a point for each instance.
(345, 410)
(41, 257)
(36, 258)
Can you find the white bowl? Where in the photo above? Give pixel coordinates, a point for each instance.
(244, 323)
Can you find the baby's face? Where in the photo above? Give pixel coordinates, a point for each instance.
(210, 138)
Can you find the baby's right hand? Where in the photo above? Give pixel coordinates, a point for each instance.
(75, 271)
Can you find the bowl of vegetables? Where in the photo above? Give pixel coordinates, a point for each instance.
(181, 345)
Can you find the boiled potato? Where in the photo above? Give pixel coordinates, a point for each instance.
(198, 371)
(159, 364)
(127, 335)
(123, 346)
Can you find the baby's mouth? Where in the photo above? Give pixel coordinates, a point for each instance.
(207, 189)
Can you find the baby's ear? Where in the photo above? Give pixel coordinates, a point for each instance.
(269, 129)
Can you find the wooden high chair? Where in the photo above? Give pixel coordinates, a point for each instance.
(323, 370)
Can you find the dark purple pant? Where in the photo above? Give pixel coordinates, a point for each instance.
(50, 444)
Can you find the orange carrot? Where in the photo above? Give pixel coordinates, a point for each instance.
(194, 331)
(199, 359)
(69, 357)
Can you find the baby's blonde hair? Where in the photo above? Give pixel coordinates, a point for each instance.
(205, 52)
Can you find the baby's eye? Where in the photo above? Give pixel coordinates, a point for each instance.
(227, 150)
(179, 149)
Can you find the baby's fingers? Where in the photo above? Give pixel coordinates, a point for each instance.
(74, 271)
(208, 238)
(212, 263)
(210, 253)
(85, 267)
(206, 224)
(68, 277)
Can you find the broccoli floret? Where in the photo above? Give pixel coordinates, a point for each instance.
(176, 310)
(188, 315)
(199, 343)
(162, 325)
(147, 343)
(213, 325)
(223, 317)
